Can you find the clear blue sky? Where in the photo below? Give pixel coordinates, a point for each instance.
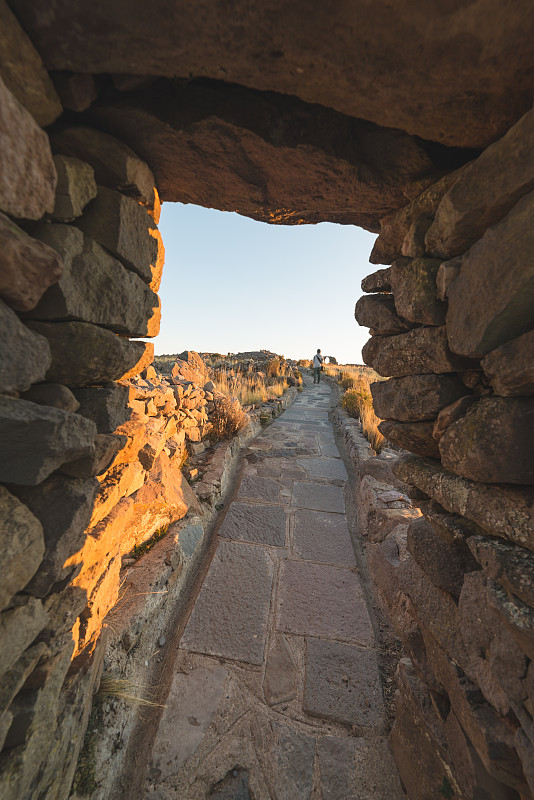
(232, 284)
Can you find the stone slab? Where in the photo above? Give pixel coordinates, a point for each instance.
(320, 536)
(342, 684)
(286, 757)
(280, 679)
(353, 769)
(256, 488)
(255, 523)
(191, 705)
(320, 600)
(324, 467)
(230, 615)
(317, 497)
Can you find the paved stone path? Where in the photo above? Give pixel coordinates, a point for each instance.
(276, 692)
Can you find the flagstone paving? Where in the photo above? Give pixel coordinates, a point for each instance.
(276, 693)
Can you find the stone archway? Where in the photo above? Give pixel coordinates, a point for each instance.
(362, 116)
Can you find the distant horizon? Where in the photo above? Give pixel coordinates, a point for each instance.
(231, 284)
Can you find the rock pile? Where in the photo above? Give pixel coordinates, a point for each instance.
(452, 323)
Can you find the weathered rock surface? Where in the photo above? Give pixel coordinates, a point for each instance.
(96, 288)
(479, 319)
(452, 413)
(416, 437)
(27, 172)
(27, 267)
(25, 355)
(510, 368)
(453, 528)
(504, 511)
(22, 545)
(76, 186)
(379, 281)
(105, 405)
(415, 397)
(445, 564)
(423, 350)
(107, 445)
(493, 442)
(271, 168)
(413, 282)
(22, 70)
(447, 273)
(377, 311)
(84, 354)
(468, 103)
(123, 226)
(475, 203)
(115, 165)
(517, 616)
(510, 566)
(52, 394)
(18, 627)
(63, 506)
(37, 439)
(76, 91)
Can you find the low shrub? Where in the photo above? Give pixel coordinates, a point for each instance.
(227, 418)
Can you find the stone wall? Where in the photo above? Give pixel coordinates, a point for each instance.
(452, 324)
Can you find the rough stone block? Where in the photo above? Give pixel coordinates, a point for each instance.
(52, 394)
(84, 354)
(27, 172)
(123, 226)
(475, 203)
(76, 91)
(453, 528)
(18, 674)
(415, 398)
(63, 506)
(518, 616)
(107, 445)
(116, 166)
(21, 544)
(121, 481)
(377, 312)
(510, 566)
(23, 72)
(413, 245)
(413, 282)
(451, 414)
(18, 628)
(25, 355)
(27, 267)
(416, 437)
(510, 368)
(379, 281)
(420, 351)
(504, 511)
(447, 273)
(493, 442)
(96, 288)
(36, 440)
(479, 318)
(255, 523)
(107, 406)
(342, 684)
(76, 186)
(443, 563)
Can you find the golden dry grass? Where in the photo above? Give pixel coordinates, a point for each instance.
(357, 400)
(249, 389)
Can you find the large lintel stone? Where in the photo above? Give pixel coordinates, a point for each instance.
(419, 351)
(415, 398)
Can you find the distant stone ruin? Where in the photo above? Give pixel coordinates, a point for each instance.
(414, 121)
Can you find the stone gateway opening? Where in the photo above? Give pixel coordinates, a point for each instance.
(414, 122)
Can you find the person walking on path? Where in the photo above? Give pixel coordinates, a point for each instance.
(317, 366)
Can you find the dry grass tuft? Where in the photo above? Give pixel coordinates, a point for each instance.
(227, 419)
(358, 402)
(123, 689)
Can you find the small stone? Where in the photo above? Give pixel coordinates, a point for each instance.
(106, 406)
(413, 282)
(84, 354)
(27, 267)
(25, 354)
(452, 413)
(510, 368)
(21, 545)
(416, 437)
(52, 394)
(27, 172)
(377, 311)
(76, 186)
(415, 398)
(379, 281)
(162, 641)
(447, 273)
(413, 245)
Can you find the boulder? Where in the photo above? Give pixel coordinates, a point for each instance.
(190, 367)
(480, 319)
(416, 437)
(52, 394)
(76, 186)
(105, 405)
(443, 563)
(503, 511)
(84, 354)
(25, 354)
(377, 311)
(27, 267)
(36, 440)
(96, 288)
(115, 165)
(474, 203)
(63, 506)
(493, 442)
(27, 172)
(510, 368)
(510, 566)
(415, 398)
(122, 226)
(18, 628)
(423, 350)
(379, 281)
(413, 282)
(21, 544)
(23, 72)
